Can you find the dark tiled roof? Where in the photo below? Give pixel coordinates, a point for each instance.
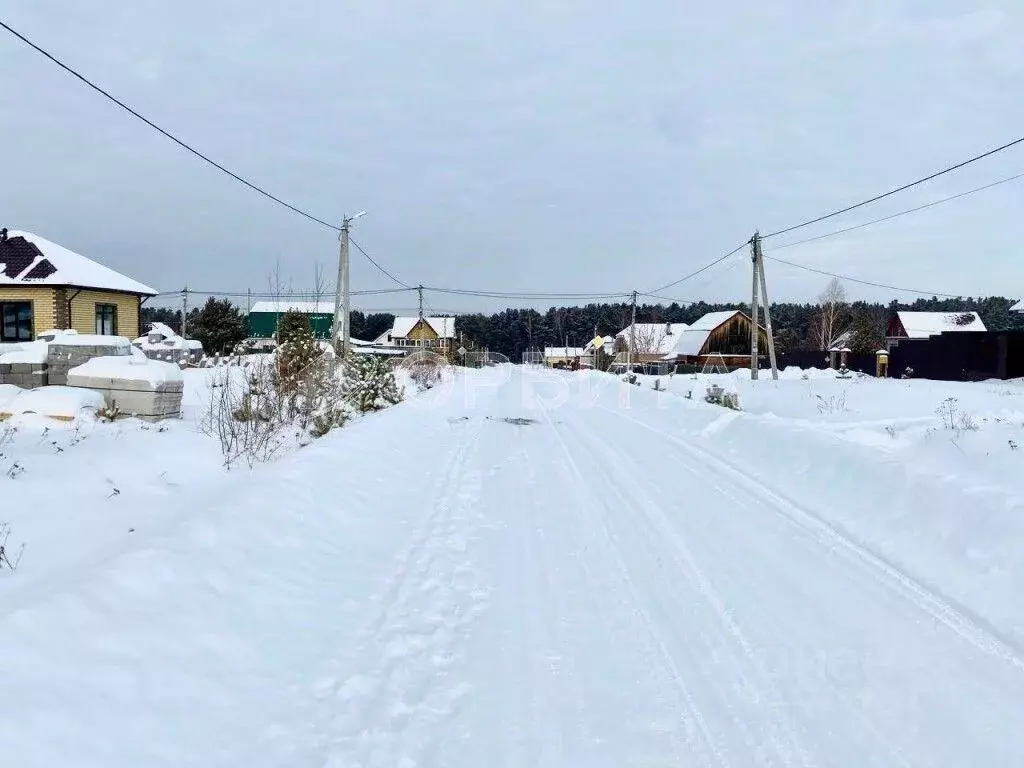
(16, 253)
(41, 270)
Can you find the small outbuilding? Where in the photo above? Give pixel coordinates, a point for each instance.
(916, 326)
(265, 315)
(724, 335)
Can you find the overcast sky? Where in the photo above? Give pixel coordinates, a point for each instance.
(520, 146)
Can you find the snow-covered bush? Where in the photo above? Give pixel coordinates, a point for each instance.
(5, 554)
(244, 415)
(716, 395)
(369, 384)
(7, 433)
(954, 419)
(425, 374)
(832, 403)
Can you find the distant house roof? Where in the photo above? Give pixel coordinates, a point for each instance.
(285, 305)
(32, 260)
(921, 325)
(691, 341)
(841, 341)
(564, 351)
(444, 327)
(653, 338)
(1018, 307)
(607, 342)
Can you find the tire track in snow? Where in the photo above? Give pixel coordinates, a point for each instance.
(400, 685)
(851, 706)
(960, 620)
(754, 678)
(697, 731)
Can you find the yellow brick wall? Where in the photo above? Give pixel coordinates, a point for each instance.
(42, 303)
(83, 311)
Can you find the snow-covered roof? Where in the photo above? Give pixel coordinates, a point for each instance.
(286, 305)
(653, 338)
(921, 325)
(564, 351)
(373, 350)
(691, 341)
(844, 339)
(33, 260)
(606, 343)
(1018, 307)
(444, 327)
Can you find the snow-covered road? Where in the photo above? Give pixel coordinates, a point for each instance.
(546, 577)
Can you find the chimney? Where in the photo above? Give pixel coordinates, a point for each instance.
(668, 329)
(3, 235)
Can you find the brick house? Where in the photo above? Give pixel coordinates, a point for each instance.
(44, 286)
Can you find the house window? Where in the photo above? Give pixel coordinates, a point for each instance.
(106, 319)
(16, 317)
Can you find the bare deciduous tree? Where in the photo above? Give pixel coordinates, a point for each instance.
(831, 318)
(647, 337)
(319, 283)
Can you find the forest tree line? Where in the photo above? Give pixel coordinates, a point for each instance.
(807, 326)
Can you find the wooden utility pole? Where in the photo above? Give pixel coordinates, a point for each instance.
(419, 290)
(759, 256)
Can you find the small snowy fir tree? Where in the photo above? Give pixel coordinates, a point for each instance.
(370, 384)
(294, 359)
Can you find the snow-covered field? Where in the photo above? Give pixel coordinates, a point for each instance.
(524, 567)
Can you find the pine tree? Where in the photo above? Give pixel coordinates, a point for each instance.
(296, 352)
(293, 325)
(866, 336)
(370, 384)
(219, 325)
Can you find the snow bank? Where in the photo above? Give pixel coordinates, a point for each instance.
(129, 367)
(64, 403)
(873, 458)
(7, 393)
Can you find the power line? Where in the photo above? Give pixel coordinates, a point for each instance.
(876, 198)
(282, 295)
(862, 282)
(184, 145)
(377, 265)
(903, 213)
(706, 267)
(523, 295)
